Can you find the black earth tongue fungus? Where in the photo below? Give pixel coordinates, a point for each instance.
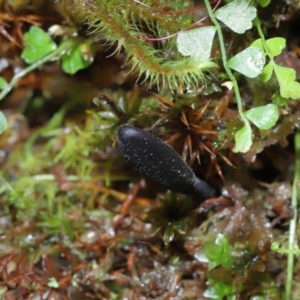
(160, 163)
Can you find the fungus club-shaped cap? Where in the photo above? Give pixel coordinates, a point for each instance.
(158, 162)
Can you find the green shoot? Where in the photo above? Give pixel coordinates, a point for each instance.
(289, 88)
(40, 49)
(217, 253)
(243, 137)
(292, 248)
(238, 16)
(293, 222)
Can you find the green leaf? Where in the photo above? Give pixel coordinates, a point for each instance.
(205, 65)
(237, 15)
(275, 246)
(267, 72)
(249, 62)
(263, 117)
(53, 283)
(243, 139)
(289, 88)
(196, 42)
(107, 115)
(223, 243)
(37, 45)
(264, 3)
(75, 60)
(218, 290)
(258, 44)
(3, 122)
(218, 253)
(168, 234)
(181, 226)
(276, 45)
(3, 83)
(278, 100)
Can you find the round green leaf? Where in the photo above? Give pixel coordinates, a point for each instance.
(74, 60)
(275, 45)
(249, 62)
(237, 15)
(263, 117)
(38, 44)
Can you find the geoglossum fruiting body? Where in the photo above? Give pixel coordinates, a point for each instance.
(159, 162)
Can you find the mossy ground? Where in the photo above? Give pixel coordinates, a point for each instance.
(78, 223)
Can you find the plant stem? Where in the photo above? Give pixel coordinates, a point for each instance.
(224, 59)
(57, 52)
(293, 222)
(262, 37)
